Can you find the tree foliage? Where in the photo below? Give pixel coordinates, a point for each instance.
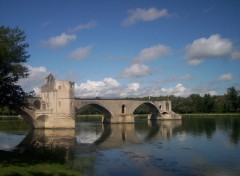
(229, 102)
(13, 55)
(232, 99)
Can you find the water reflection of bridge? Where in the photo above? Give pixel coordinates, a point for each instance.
(105, 136)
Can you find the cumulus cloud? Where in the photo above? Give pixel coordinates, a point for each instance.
(110, 82)
(152, 53)
(79, 27)
(178, 90)
(133, 86)
(225, 77)
(131, 90)
(59, 41)
(108, 87)
(138, 14)
(136, 70)
(35, 79)
(80, 53)
(212, 47)
(111, 88)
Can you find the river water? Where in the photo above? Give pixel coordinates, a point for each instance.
(191, 146)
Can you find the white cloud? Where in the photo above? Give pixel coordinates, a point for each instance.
(130, 91)
(59, 41)
(225, 77)
(133, 86)
(80, 53)
(79, 27)
(152, 53)
(205, 48)
(139, 14)
(35, 78)
(136, 70)
(178, 90)
(111, 82)
(109, 87)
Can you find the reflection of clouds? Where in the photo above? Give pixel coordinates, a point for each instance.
(9, 141)
(141, 135)
(182, 136)
(146, 162)
(87, 137)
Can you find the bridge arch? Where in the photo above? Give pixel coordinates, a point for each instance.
(37, 104)
(106, 114)
(154, 110)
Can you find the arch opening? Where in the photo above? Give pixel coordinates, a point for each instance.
(123, 109)
(37, 104)
(94, 110)
(148, 109)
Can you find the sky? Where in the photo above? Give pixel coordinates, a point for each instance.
(130, 48)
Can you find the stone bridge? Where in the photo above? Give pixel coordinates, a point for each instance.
(57, 105)
(122, 111)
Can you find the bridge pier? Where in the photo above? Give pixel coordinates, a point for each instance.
(154, 117)
(123, 118)
(118, 118)
(46, 122)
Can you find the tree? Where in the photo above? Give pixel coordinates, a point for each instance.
(13, 55)
(208, 103)
(196, 103)
(232, 99)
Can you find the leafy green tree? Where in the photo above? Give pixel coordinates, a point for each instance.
(196, 103)
(232, 99)
(219, 104)
(208, 103)
(13, 55)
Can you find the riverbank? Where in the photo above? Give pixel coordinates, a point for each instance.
(10, 117)
(98, 117)
(210, 115)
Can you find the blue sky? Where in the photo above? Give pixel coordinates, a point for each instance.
(131, 48)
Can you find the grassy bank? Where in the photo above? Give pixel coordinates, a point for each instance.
(37, 169)
(211, 115)
(89, 118)
(6, 117)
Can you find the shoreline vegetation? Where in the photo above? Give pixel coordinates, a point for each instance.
(210, 115)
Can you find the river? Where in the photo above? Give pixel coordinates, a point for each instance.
(191, 146)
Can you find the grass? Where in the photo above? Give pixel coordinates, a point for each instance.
(35, 161)
(84, 164)
(211, 115)
(44, 169)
